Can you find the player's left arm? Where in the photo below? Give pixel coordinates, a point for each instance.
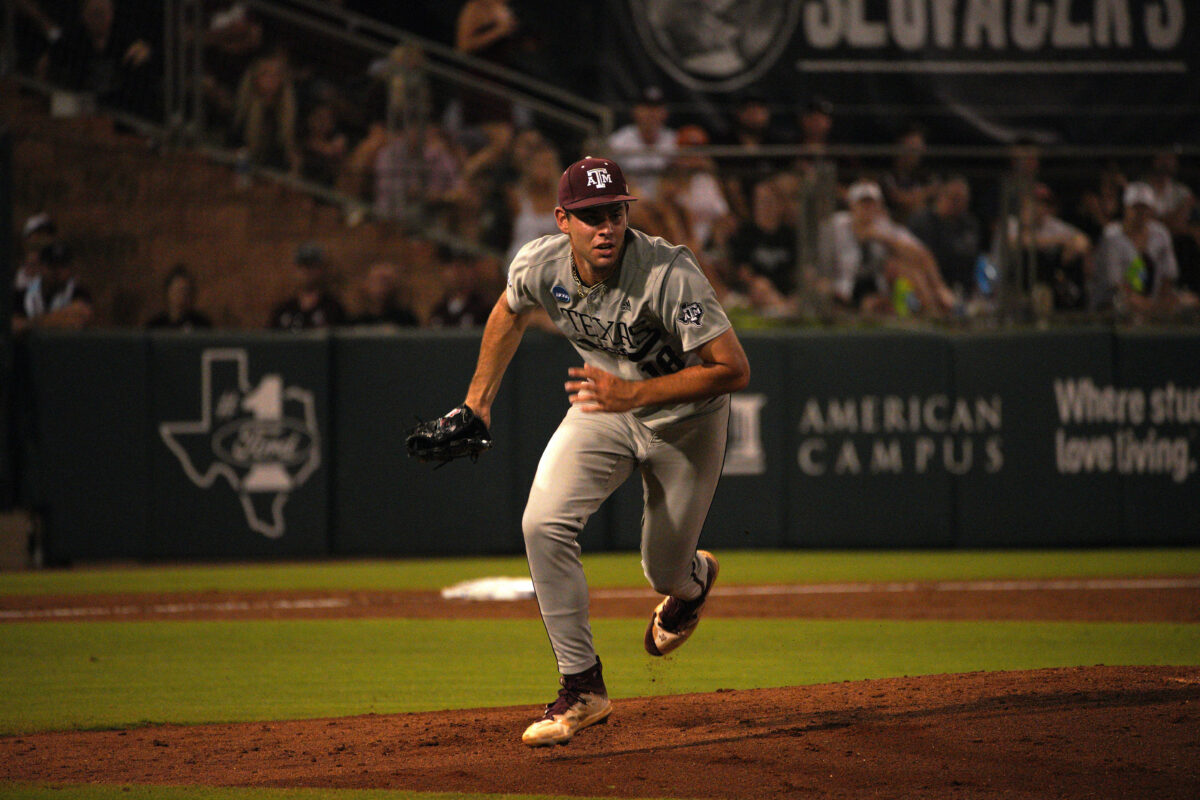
(723, 368)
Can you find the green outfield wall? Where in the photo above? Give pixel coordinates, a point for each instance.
(225, 445)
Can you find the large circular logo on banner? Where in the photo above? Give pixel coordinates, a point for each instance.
(715, 45)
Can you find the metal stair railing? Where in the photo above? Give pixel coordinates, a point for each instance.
(444, 61)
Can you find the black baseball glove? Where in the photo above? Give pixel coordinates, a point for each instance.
(454, 435)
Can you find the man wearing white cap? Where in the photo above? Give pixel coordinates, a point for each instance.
(867, 255)
(1136, 260)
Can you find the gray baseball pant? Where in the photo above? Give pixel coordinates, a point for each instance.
(587, 458)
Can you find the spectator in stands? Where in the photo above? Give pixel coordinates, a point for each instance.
(688, 212)
(180, 314)
(751, 128)
(909, 187)
(349, 99)
(408, 100)
(816, 129)
(231, 42)
(876, 265)
(532, 199)
(952, 234)
(35, 30)
(762, 253)
(752, 124)
(37, 232)
(325, 147)
(416, 174)
(1025, 161)
(486, 29)
(357, 178)
(106, 53)
(482, 210)
(1135, 262)
(1176, 201)
(313, 305)
(1054, 252)
(1177, 210)
(1101, 204)
(709, 216)
(669, 217)
(54, 297)
(811, 184)
(645, 146)
(1010, 188)
(463, 305)
(265, 114)
(382, 304)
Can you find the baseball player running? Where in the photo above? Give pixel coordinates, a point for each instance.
(660, 360)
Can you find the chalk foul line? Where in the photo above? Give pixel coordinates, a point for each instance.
(1082, 584)
(328, 603)
(230, 606)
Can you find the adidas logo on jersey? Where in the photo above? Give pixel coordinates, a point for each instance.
(626, 305)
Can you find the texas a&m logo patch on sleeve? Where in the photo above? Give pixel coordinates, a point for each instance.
(691, 314)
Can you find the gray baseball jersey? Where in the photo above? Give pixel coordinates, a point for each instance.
(659, 309)
(647, 320)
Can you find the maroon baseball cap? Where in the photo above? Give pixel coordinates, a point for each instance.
(592, 182)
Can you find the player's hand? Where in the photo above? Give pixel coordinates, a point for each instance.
(597, 390)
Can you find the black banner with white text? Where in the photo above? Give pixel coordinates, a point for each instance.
(1101, 72)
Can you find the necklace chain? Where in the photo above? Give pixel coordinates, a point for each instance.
(584, 291)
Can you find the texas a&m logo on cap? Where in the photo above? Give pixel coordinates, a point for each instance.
(592, 182)
(599, 177)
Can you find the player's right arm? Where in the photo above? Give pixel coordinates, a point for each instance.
(501, 336)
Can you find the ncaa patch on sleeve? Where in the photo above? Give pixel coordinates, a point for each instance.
(691, 314)
(561, 294)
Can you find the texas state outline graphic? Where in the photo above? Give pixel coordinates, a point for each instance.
(246, 436)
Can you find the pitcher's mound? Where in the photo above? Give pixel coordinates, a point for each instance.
(1108, 732)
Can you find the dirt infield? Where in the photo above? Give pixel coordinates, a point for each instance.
(1101, 732)
(1097, 600)
(1095, 732)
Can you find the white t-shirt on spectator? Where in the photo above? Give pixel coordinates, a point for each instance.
(642, 163)
(705, 203)
(1117, 256)
(843, 258)
(1173, 196)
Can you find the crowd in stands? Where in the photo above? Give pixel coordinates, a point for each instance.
(785, 237)
(48, 293)
(779, 237)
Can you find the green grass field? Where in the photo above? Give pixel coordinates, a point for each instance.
(615, 570)
(65, 675)
(116, 674)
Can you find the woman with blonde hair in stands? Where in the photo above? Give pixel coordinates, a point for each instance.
(265, 114)
(532, 199)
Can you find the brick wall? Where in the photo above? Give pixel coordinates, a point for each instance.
(132, 211)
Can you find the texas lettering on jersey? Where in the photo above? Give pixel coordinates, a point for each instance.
(650, 320)
(634, 342)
